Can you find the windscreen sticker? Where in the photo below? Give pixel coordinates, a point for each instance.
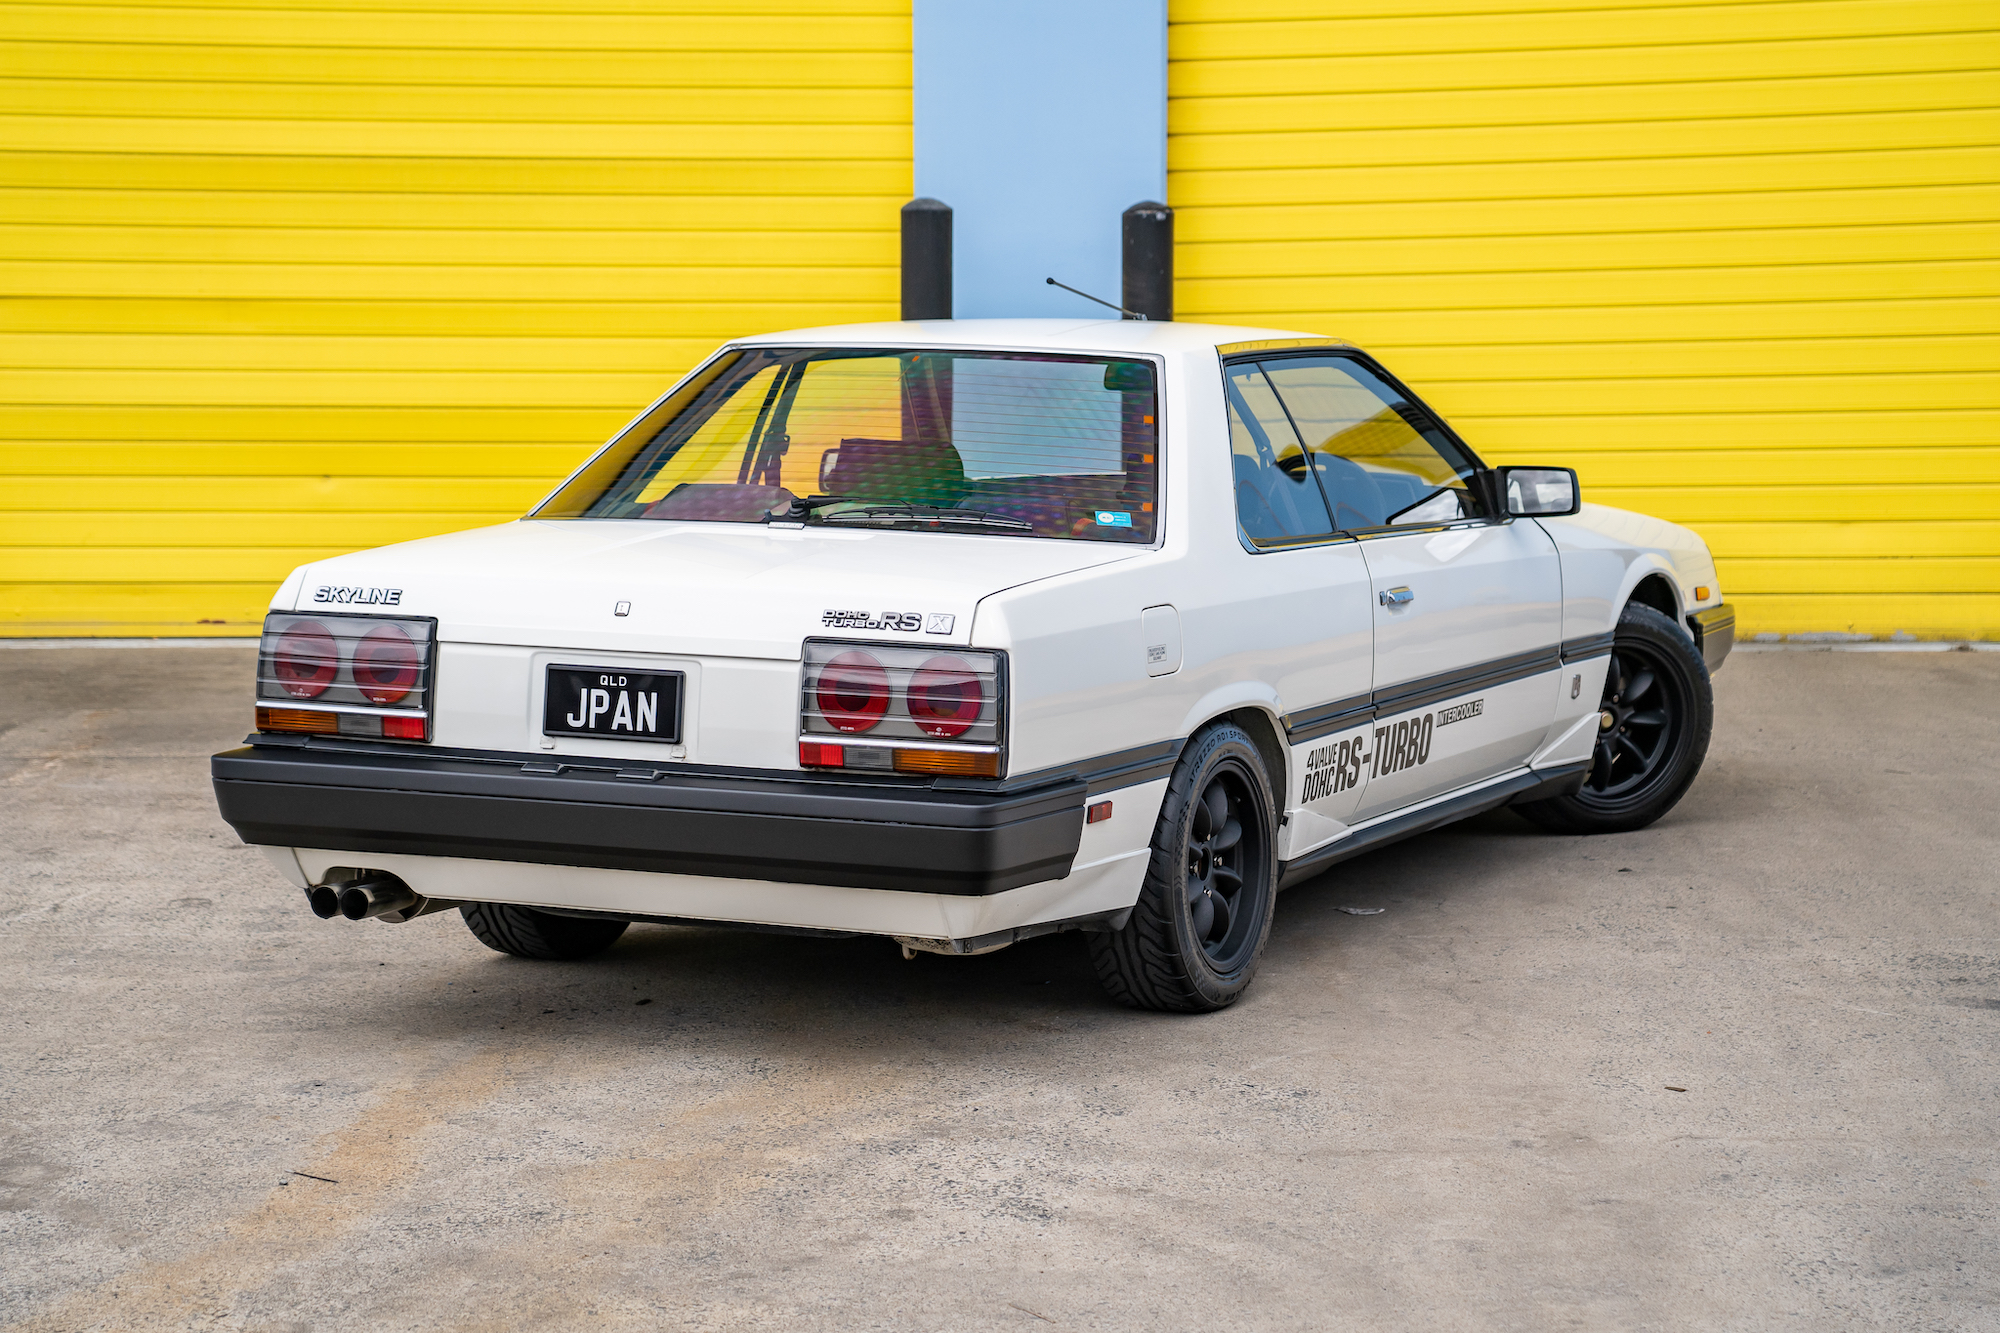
(1113, 518)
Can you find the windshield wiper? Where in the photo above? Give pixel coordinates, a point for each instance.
(802, 506)
(932, 515)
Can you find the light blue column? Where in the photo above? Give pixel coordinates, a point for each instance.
(1039, 122)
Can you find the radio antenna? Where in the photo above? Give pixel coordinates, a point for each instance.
(1128, 314)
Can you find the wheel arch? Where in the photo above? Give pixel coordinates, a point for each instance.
(1656, 590)
(1268, 733)
(1262, 718)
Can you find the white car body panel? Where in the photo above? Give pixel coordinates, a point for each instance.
(1111, 649)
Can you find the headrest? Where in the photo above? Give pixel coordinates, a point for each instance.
(919, 471)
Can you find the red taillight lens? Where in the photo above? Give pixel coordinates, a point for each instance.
(853, 692)
(305, 661)
(817, 754)
(385, 665)
(945, 697)
(403, 728)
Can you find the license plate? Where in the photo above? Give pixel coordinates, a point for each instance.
(598, 701)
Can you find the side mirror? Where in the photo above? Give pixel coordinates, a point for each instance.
(1539, 492)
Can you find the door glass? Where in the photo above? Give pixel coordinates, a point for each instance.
(1381, 458)
(1277, 502)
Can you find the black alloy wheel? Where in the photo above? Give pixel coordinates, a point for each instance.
(1193, 939)
(1653, 725)
(1215, 859)
(1637, 723)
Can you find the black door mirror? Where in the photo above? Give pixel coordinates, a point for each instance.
(1538, 492)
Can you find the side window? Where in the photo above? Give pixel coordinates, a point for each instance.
(1380, 457)
(1277, 501)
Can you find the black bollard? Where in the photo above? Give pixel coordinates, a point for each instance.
(1149, 260)
(926, 259)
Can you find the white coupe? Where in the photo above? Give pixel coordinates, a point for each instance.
(962, 632)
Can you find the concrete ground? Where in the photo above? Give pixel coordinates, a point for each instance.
(1464, 1113)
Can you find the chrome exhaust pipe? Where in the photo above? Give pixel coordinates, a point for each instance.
(377, 895)
(324, 899)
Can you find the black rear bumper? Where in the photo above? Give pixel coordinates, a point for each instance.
(789, 827)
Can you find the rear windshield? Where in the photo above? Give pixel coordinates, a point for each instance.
(1012, 444)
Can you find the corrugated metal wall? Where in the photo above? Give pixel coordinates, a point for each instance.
(284, 281)
(288, 280)
(1735, 262)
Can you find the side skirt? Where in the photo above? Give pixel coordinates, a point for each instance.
(1527, 785)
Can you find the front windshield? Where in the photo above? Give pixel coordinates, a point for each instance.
(1006, 443)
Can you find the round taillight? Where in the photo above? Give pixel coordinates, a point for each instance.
(305, 660)
(386, 665)
(945, 697)
(853, 692)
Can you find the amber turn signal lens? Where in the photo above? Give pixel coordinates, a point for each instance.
(297, 719)
(952, 763)
(1701, 594)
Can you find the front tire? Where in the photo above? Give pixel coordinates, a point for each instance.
(1655, 718)
(544, 936)
(1192, 942)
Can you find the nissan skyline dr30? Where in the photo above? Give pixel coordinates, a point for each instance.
(963, 632)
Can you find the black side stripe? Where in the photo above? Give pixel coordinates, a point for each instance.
(1109, 772)
(1311, 723)
(1498, 671)
(1590, 645)
(1324, 719)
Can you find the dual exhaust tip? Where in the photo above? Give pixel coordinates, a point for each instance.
(359, 899)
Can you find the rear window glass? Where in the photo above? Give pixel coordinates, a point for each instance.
(1016, 444)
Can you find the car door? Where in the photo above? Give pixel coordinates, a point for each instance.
(1467, 606)
(1304, 608)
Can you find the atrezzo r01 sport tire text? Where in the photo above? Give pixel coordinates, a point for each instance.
(526, 933)
(1194, 937)
(1655, 718)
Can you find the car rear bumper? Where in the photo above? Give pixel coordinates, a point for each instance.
(789, 828)
(1714, 633)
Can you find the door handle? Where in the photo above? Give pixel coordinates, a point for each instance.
(1397, 596)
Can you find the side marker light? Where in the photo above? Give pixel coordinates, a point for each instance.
(1701, 594)
(1097, 812)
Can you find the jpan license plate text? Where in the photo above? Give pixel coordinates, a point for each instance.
(597, 701)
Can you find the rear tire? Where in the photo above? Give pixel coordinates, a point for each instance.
(526, 933)
(1192, 942)
(1659, 709)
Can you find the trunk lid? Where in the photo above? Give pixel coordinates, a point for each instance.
(712, 589)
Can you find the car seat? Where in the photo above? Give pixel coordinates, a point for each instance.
(927, 472)
(1357, 500)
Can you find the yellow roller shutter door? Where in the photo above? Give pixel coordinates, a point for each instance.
(288, 281)
(1735, 262)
